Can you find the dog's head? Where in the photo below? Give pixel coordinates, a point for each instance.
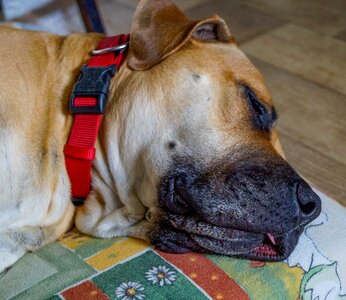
(197, 139)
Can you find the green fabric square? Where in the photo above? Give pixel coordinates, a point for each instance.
(63, 267)
(134, 271)
(27, 272)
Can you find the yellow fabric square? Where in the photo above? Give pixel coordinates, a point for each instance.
(73, 239)
(119, 251)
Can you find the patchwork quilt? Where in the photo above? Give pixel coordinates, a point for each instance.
(81, 267)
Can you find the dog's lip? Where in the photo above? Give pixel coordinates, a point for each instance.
(195, 225)
(262, 246)
(262, 251)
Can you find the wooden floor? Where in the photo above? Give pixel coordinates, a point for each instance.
(300, 47)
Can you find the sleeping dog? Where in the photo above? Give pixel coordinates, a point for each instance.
(187, 155)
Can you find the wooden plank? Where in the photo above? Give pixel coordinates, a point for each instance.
(188, 4)
(183, 4)
(312, 127)
(319, 169)
(245, 22)
(327, 17)
(342, 35)
(303, 52)
(117, 17)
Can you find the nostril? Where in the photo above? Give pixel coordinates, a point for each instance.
(180, 181)
(177, 198)
(308, 208)
(181, 190)
(308, 201)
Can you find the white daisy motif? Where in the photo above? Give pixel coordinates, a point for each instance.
(161, 275)
(129, 291)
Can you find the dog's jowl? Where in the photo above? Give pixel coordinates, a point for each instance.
(187, 155)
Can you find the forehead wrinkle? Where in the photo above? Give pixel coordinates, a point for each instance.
(236, 67)
(252, 78)
(224, 62)
(240, 69)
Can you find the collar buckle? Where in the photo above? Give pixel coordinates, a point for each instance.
(93, 82)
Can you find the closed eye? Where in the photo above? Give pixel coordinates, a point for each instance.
(263, 116)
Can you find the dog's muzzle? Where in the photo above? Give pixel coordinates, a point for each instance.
(253, 208)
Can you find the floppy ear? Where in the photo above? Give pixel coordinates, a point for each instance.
(160, 28)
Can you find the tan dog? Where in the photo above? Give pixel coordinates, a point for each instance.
(187, 156)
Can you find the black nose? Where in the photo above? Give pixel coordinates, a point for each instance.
(177, 198)
(309, 202)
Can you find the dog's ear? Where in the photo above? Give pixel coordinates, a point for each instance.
(160, 28)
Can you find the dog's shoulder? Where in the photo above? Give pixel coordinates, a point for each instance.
(38, 46)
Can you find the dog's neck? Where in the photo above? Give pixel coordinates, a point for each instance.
(110, 172)
(70, 54)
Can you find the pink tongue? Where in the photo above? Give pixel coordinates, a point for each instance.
(272, 238)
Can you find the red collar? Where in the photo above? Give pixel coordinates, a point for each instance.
(88, 103)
